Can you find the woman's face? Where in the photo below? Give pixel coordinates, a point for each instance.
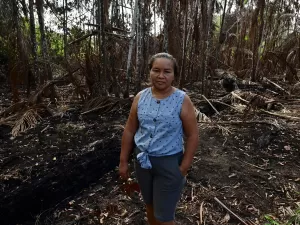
(162, 73)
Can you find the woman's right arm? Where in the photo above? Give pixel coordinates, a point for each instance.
(128, 138)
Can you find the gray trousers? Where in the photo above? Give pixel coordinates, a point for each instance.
(161, 186)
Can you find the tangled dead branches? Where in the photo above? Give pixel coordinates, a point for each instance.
(107, 105)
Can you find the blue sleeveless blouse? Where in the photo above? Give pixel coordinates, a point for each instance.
(160, 131)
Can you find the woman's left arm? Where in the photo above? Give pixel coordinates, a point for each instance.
(189, 122)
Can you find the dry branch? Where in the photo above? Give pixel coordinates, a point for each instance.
(211, 105)
(250, 164)
(13, 108)
(94, 32)
(118, 35)
(201, 213)
(238, 97)
(108, 27)
(276, 85)
(239, 122)
(281, 116)
(232, 213)
(34, 99)
(110, 105)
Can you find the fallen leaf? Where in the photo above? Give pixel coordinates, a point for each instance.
(71, 202)
(101, 220)
(225, 219)
(124, 213)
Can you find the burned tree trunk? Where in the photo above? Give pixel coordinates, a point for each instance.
(166, 25)
(65, 25)
(33, 37)
(207, 16)
(129, 62)
(257, 35)
(44, 47)
(20, 70)
(138, 47)
(182, 71)
(103, 48)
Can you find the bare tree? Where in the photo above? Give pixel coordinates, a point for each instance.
(184, 50)
(131, 43)
(167, 19)
(65, 27)
(33, 36)
(257, 35)
(138, 46)
(44, 47)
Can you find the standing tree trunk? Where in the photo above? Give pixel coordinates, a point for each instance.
(211, 10)
(129, 63)
(123, 20)
(101, 44)
(24, 8)
(65, 25)
(182, 70)
(21, 67)
(13, 73)
(33, 38)
(195, 43)
(207, 16)
(166, 25)
(154, 18)
(44, 47)
(257, 32)
(104, 22)
(221, 34)
(204, 37)
(138, 46)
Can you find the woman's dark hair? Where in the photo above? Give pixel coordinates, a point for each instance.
(167, 56)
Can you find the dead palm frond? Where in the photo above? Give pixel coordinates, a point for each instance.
(26, 121)
(224, 130)
(104, 104)
(95, 102)
(17, 107)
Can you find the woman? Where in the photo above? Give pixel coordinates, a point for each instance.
(158, 119)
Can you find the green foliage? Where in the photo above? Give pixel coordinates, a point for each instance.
(294, 219)
(271, 220)
(55, 40)
(56, 44)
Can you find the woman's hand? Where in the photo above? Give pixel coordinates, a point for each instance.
(183, 171)
(123, 170)
(128, 139)
(191, 132)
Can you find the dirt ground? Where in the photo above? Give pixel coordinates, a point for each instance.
(64, 171)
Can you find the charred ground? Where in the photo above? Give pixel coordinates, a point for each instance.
(63, 171)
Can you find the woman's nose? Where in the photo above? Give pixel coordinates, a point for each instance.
(161, 74)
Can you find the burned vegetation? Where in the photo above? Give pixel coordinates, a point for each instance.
(58, 163)
(67, 84)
